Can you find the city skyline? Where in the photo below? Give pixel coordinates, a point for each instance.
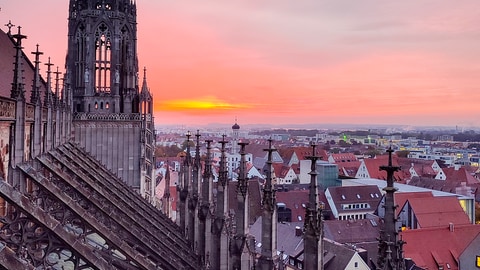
(280, 62)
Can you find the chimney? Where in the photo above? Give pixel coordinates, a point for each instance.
(298, 231)
(451, 227)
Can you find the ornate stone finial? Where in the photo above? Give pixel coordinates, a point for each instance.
(242, 184)
(188, 157)
(9, 25)
(48, 91)
(223, 163)
(197, 150)
(18, 91)
(35, 95)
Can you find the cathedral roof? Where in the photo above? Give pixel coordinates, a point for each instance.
(77, 198)
(7, 65)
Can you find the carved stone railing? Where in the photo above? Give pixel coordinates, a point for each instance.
(7, 109)
(30, 112)
(107, 116)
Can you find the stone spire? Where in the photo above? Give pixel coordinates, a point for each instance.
(390, 255)
(219, 221)
(18, 94)
(18, 87)
(204, 214)
(37, 144)
(35, 95)
(268, 255)
(56, 98)
(48, 91)
(239, 240)
(193, 195)
(48, 103)
(313, 251)
(166, 193)
(184, 188)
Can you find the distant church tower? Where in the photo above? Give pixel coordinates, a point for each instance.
(112, 119)
(235, 137)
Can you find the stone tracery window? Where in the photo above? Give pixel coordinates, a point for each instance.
(81, 54)
(103, 51)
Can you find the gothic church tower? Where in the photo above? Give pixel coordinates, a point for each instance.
(111, 119)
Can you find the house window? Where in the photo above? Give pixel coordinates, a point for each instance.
(478, 261)
(355, 264)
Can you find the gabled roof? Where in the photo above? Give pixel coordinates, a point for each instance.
(429, 247)
(342, 255)
(256, 149)
(402, 197)
(301, 152)
(348, 168)
(352, 231)
(438, 211)
(296, 200)
(359, 194)
(459, 175)
(280, 170)
(373, 167)
(343, 157)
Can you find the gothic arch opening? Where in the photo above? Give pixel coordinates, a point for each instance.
(103, 54)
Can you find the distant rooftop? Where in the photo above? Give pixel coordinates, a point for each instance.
(401, 187)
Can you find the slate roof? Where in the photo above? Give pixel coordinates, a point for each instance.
(7, 54)
(336, 257)
(370, 194)
(440, 185)
(296, 200)
(340, 255)
(287, 241)
(352, 231)
(254, 196)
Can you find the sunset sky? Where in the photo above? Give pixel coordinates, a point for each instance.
(412, 62)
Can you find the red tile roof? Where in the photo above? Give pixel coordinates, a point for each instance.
(429, 247)
(438, 211)
(280, 170)
(459, 175)
(343, 157)
(373, 167)
(402, 197)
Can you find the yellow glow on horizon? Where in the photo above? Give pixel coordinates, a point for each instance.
(204, 104)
